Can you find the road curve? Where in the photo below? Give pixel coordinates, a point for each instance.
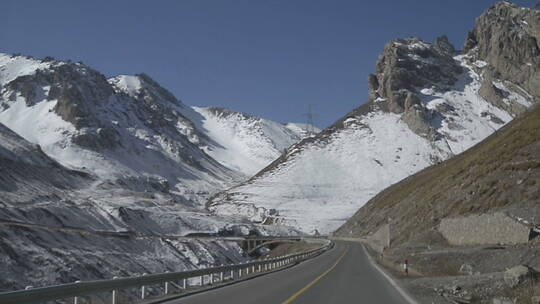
(341, 275)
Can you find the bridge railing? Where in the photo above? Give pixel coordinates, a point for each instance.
(79, 289)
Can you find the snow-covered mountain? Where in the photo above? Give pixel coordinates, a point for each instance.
(106, 173)
(246, 143)
(427, 102)
(130, 130)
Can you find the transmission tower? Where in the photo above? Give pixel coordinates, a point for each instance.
(309, 121)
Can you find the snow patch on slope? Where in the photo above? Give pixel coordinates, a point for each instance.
(245, 143)
(323, 185)
(465, 117)
(12, 67)
(127, 83)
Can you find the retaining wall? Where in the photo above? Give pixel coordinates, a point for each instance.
(484, 229)
(381, 239)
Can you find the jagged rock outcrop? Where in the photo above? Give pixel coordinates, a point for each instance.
(444, 46)
(76, 87)
(498, 96)
(507, 38)
(407, 64)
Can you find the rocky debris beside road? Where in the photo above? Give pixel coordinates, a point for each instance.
(440, 273)
(519, 275)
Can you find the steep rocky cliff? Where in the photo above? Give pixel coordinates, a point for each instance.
(507, 38)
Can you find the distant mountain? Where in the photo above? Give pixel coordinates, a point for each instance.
(246, 143)
(133, 132)
(427, 103)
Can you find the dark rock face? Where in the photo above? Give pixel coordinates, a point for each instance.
(155, 111)
(444, 46)
(507, 38)
(496, 96)
(418, 120)
(78, 89)
(102, 137)
(410, 63)
(405, 66)
(26, 87)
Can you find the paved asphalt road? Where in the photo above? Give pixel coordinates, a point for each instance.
(341, 275)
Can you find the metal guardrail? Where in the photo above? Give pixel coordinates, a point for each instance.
(85, 288)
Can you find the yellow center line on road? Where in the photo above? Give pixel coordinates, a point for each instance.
(308, 286)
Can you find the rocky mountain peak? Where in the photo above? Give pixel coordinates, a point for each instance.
(506, 37)
(77, 88)
(444, 46)
(407, 64)
(404, 68)
(223, 112)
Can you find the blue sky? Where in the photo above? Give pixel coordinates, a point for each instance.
(268, 58)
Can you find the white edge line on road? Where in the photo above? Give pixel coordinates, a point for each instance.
(389, 278)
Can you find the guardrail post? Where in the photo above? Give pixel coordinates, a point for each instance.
(76, 299)
(143, 289)
(201, 280)
(166, 285)
(113, 300)
(211, 279)
(232, 274)
(184, 283)
(221, 276)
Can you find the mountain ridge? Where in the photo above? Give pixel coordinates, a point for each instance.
(127, 128)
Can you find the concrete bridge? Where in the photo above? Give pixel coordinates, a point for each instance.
(253, 243)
